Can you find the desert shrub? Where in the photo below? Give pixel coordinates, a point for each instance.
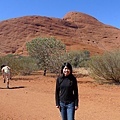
(8, 60)
(19, 64)
(106, 67)
(48, 52)
(55, 63)
(78, 58)
(27, 65)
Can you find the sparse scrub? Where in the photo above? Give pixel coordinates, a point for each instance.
(27, 65)
(78, 58)
(106, 67)
(19, 64)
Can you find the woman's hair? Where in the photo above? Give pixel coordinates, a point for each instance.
(68, 65)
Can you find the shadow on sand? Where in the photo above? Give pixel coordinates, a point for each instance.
(82, 82)
(18, 87)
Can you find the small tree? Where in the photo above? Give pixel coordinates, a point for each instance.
(47, 52)
(106, 66)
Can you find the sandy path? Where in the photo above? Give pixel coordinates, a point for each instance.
(32, 98)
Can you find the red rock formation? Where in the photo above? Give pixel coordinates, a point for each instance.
(77, 30)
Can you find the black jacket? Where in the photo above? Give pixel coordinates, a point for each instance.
(66, 90)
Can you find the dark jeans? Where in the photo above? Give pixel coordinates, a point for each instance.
(67, 110)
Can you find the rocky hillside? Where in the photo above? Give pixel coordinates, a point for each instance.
(77, 30)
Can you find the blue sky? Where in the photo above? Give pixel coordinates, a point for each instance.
(106, 11)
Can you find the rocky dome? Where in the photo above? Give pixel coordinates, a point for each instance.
(77, 30)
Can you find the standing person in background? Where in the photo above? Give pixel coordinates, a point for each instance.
(66, 93)
(6, 74)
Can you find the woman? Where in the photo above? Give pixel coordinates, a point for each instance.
(66, 94)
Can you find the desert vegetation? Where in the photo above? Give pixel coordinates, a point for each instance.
(20, 65)
(48, 54)
(106, 67)
(44, 54)
(51, 53)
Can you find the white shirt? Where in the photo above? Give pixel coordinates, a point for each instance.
(6, 69)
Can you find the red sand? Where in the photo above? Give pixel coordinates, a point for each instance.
(32, 98)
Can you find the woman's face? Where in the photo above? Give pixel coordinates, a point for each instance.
(66, 71)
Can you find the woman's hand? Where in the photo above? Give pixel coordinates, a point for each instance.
(76, 107)
(57, 106)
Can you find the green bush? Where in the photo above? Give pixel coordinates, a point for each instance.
(106, 67)
(78, 58)
(48, 52)
(19, 64)
(27, 65)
